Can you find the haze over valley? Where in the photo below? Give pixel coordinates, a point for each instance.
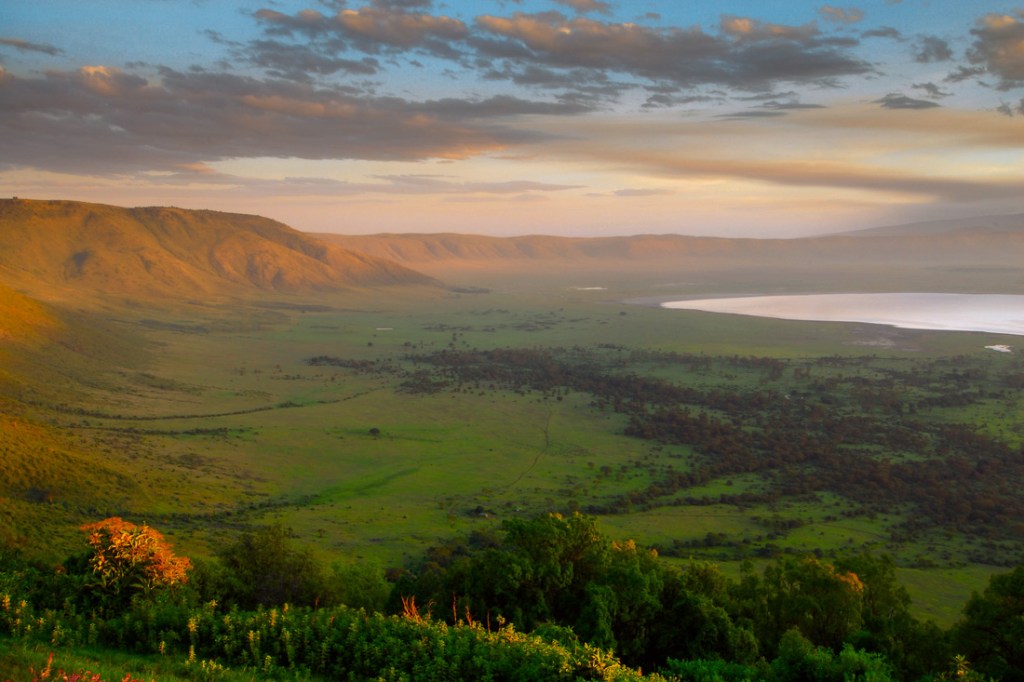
(545, 339)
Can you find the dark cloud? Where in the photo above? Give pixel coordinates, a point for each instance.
(850, 15)
(898, 101)
(883, 32)
(783, 106)
(103, 120)
(767, 96)
(301, 62)
(746, 54)
(932, 90)
(592, 62)
(403, 4)
(384, 27)
(498, 106)
(589, 89)
(999, 48)
(772, 108)
(672, 98)
(928, 49)
(1012, 109)
(584, 6)
(963, 73)
(25, 46)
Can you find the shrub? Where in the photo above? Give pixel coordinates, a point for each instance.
(128, 559)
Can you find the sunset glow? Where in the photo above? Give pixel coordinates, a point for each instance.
(568, 117)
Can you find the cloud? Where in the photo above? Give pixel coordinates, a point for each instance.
(102, 120)
(300, 62)
(308, 22)
(584, 6)
(499, 106)
(1011, 109)
(897, 101)
(402, 4)
(858, 148)
(999, 48)
(747, 54)
(772, 108)
(842, 176)
(382, 27)
(742, 28)
(372, 25)
(640, 192)
(883, 32)
(840, 15)
(430, 184)
(928, 49)
(932, 90)
(25, 46)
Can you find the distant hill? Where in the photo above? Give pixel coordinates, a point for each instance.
(49, 248)
(988, 248)
(991, 223)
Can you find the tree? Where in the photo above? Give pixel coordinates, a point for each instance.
(801, 661)
(128, 559)
(991, 632)
(913, 647)
(822, 603)
(266, 569)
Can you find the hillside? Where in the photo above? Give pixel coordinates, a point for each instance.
(52, 249)
(991, 223)
(988, 248)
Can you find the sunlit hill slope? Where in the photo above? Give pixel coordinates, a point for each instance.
(53, 248)
(61, 264)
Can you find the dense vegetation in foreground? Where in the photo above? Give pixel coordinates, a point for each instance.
(593, 609)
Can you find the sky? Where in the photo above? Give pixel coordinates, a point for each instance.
(733, 118)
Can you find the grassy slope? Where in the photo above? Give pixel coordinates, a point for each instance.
(74, 251)
(204, 419)
(286, 442)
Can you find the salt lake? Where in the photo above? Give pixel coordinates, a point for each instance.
(996, 313)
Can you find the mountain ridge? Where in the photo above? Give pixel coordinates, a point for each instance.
(1012, 222)
(48, 247)
(957, 247)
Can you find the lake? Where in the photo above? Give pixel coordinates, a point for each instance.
(996, 313)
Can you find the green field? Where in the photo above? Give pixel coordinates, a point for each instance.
(217, 422)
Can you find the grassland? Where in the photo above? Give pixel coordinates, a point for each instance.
(208, 418)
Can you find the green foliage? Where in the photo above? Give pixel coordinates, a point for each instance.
(913, 647)
(335, 643)
(991, 632)
(701, 670)
(265, 568)
(606, 606)
(357, 585)
(555, 569)
(823, 604)
(800, 661)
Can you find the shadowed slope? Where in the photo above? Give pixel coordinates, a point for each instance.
(49, 247)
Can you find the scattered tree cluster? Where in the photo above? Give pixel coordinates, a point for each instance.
(876, 434)
(593, 608)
